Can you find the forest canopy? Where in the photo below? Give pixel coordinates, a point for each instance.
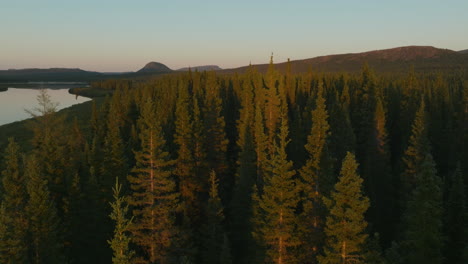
(275, 167)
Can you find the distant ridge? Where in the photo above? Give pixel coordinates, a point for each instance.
(52, 74)
(202, 68)
(155, 67)
(386, 60)
(463, 51)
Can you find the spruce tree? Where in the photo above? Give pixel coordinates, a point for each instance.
(316, 180)
(213, 231)
(44, 223)
(456, 219)
(380, 183)
(276, 219)
(241, 204)
(261, 146)
(423, 240)
(346, 239)
(49, 143)
(120, 242)
(185, 165)
(14, 220)
(418, 148)
(215, 135)
(154, 198)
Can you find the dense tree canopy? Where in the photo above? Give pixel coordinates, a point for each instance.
(244, 168)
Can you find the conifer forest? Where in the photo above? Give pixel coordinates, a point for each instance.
(254, 167)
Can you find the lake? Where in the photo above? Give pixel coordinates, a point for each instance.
(14, 102)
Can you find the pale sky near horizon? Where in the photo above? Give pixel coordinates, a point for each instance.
(117, 35)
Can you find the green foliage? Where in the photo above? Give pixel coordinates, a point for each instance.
(213, 231)
(423, 240)
(121, 240)
(418, 148)
(345, 226)
(44, 224)
(276, 221)
(316, 179)
(14, 220)
(154, 198)
(456, 219)
(191, 118)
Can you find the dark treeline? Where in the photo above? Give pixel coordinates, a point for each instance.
(252, 168)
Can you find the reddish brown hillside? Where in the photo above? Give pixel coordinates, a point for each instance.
(387, 60)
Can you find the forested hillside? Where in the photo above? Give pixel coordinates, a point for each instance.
(203, 167)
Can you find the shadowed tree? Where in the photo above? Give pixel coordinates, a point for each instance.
(346, 239)
(121, 240)
(276, 223)
(14, 221)
(423, 240)
(44, 224)
(154, 198)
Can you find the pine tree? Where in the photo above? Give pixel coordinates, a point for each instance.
(44, 224)
(241, 204)
(121, 240)
(261, 146)
(345, 226)
(49, 143)
(316, 179)
(114, 161)
(418, 148)
(380, 184)
(185, 165)
(423, 240)
(213, 233)
(456, 219)
(215, 135)
(14, 244)
(154, 198)
(276, 219)
(273, 102)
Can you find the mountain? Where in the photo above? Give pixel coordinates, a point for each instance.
(463, 51)
(52, 74)
(202, 68)
(387, 60)
(154, 67)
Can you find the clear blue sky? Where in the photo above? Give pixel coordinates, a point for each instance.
(105, 35)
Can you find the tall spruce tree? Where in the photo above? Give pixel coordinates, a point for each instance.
(316, 180)
(418, 148)
(241, 204)
(380, 183)
(14, 244)
(44, 224)
(120, 242)
(456, 219)
(276, 223)
(215, 135)
(346, 239)
(213, 231)
(154, 197)
(423, 240)
(49, 146)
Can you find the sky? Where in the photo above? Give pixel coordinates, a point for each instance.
(117, 35)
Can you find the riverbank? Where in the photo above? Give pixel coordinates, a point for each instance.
(90, 92)
(23, 135)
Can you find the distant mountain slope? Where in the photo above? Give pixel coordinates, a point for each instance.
(388, 60)
(52, 74)
(154, 67)
(463, 51)
(202, 68)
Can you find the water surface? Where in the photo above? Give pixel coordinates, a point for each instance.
(14, 102)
